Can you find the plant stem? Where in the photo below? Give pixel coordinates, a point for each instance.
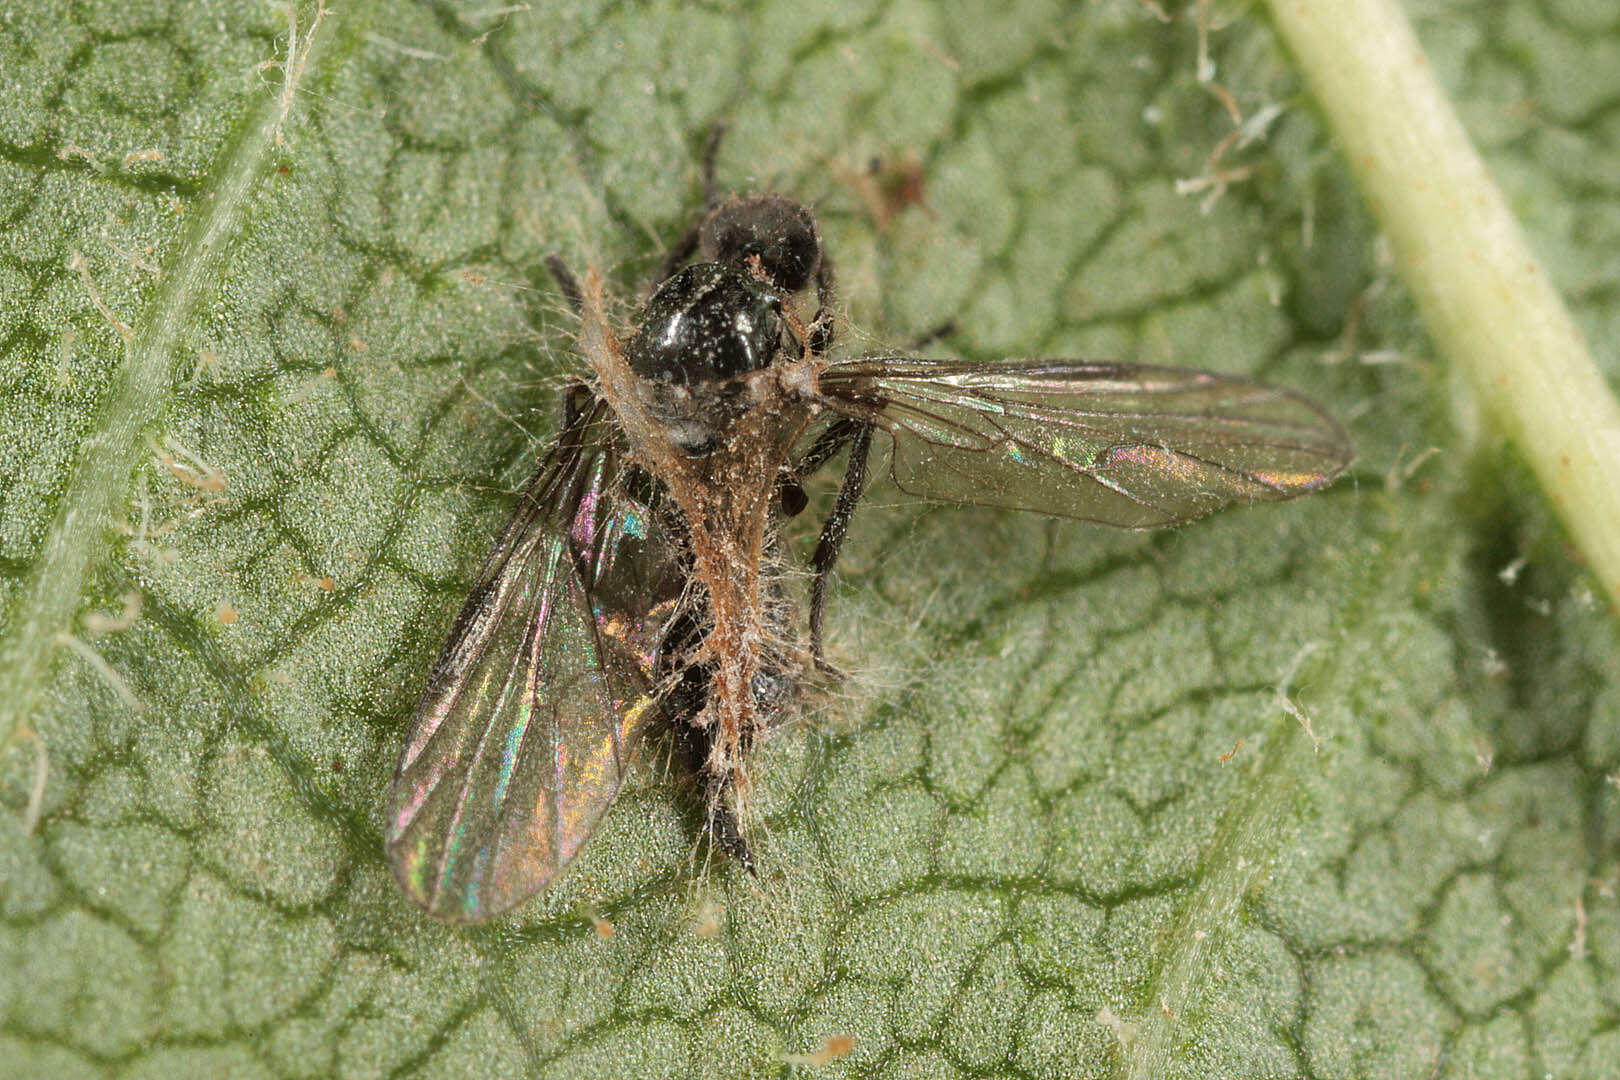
(1485, 298)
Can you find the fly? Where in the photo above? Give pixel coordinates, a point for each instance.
(639, 582)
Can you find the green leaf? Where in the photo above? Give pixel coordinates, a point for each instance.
(1320, 790)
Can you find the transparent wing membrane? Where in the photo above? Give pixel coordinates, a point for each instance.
(522, 737)
(1136, 447)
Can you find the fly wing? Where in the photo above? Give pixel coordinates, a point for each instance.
(522, 736)
(1133, 446)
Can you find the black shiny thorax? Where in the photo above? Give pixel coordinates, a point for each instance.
(707, 323)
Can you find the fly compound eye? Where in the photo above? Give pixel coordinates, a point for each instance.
(780, 232)
(708, 322)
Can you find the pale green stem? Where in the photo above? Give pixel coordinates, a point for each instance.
(1486, 300)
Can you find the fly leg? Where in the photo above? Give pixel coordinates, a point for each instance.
(857, 434)
(833, 531)
(567, 282)
(820, 338)
(692, 745)
(577, 400)
(682, 250)
(791, 497)
(726, 833)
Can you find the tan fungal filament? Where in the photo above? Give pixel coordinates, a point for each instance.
(726, 500)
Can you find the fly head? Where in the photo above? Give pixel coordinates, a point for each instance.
(779, 232)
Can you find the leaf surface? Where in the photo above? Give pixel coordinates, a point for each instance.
(1317, 790)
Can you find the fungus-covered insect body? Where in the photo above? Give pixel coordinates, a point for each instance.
(640, 581)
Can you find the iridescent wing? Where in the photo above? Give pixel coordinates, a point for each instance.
(522, 736)
(1136, 447)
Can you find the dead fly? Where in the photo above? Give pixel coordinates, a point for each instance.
(640, 580)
